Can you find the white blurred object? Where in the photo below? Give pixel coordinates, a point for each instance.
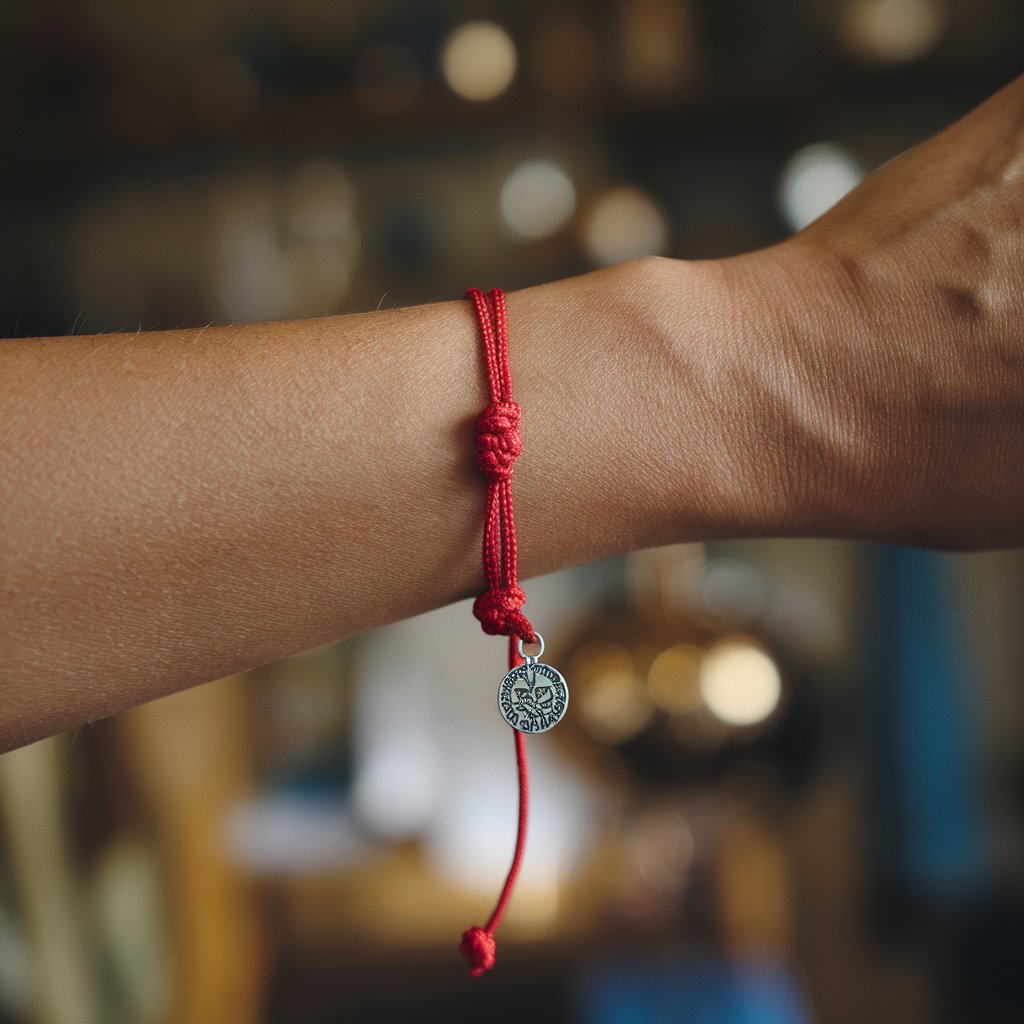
(398, 784)
(290, 835)
(814, 179)
(537, 199)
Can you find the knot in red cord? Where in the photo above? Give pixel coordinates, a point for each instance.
(498, 441)
(478, 947)
(499, 613)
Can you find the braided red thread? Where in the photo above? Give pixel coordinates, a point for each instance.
(499, 607)
(498, 445)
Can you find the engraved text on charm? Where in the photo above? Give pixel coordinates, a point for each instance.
(533, 696)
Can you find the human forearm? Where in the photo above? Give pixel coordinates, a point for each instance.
(182, 505)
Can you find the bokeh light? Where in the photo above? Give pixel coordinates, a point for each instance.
(893, 30)
(814, 179)
(657, 46)
(661, 848)
(673, 679)
(612, 704)
(537, 199)
(478, 60)
(740, 683)
(624, 224)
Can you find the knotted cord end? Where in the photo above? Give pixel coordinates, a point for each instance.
(479, 948)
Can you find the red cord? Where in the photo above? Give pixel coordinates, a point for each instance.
(499, 444)
(499, 608)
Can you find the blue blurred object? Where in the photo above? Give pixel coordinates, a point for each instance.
(926, 801)
(697, 990)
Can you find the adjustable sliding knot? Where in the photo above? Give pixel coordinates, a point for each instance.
(478, 947)
(499, 612)
(498, 440)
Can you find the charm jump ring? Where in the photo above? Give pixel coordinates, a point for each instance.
(531, 657)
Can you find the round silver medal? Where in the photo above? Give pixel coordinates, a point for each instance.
(533, 697)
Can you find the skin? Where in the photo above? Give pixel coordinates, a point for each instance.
(182, 505)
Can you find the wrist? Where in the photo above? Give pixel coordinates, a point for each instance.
(666, 401)
(716, 322)
(804, 337)
(765, 430)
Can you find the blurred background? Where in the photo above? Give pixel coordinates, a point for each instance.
(790, 787)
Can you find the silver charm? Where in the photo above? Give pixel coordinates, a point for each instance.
(533, 697)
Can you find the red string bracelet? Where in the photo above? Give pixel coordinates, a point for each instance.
(532, 697)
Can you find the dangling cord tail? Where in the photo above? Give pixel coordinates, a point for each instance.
(499, 608)
(478, 945)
